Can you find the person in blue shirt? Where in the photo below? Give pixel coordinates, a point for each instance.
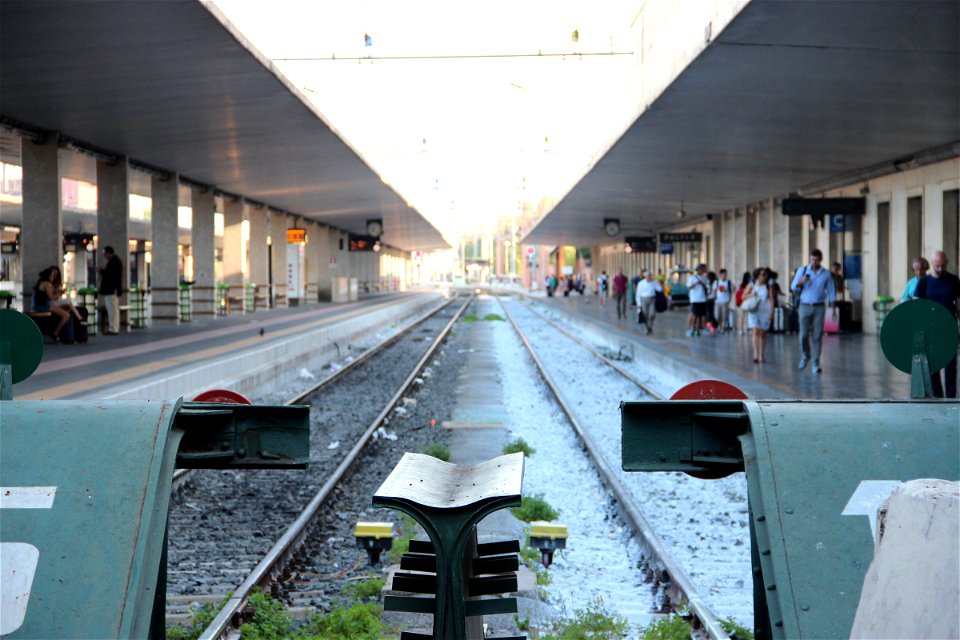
(944, 287)
(814, 285)
(920, 268)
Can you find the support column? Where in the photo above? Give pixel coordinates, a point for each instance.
(234, 259)
(164, 283)
(313, 261)
(41, 233)
(278, 258)
(325, 251)
(203, 249)
(257, 253)
(113, 215)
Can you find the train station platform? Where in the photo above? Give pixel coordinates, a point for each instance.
(106, 366)
(853, 363)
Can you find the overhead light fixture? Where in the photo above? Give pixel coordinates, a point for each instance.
(681, 214)
(611, 226)
(575, 36)
(375, 227)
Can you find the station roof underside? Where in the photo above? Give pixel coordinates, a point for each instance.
(173, 85)
(789, 94)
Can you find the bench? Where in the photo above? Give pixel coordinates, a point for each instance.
(448, 501)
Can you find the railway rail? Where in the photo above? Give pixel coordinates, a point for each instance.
(668, 573)
(273, 565)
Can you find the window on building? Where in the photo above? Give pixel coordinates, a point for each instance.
(951, 222)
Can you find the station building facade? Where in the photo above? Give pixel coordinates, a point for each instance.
(909, 213)
(234, 254)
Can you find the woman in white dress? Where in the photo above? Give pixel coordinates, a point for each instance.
(759, 319)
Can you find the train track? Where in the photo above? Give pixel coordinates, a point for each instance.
(667, 574)
(272, 568)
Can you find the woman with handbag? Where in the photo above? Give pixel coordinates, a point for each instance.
(758, 303)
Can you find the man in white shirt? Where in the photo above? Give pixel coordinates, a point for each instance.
(647, 299)
(721, 291)
(697, 290)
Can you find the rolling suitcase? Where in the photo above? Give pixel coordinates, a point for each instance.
(778, 324)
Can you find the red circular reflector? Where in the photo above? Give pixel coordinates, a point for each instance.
(222, 396)
(708, 390)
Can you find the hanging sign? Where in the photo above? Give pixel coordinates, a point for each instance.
(296, 236)
(689, 236)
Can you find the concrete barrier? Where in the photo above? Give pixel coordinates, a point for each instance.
(912, 589)
(263, 369)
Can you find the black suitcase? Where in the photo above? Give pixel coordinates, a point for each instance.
(80, 332)
(793, 321)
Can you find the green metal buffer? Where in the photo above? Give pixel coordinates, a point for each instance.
(812, 468)
(454, 571)
(85, 492)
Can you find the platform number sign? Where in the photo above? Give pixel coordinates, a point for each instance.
(18, 560)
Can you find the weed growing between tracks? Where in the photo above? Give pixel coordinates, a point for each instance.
(519, 446)
(438, 450)
(534, 508)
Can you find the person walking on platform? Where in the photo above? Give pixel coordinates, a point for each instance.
(944, 287)
(111, 279)
(814, 285)
(920, 268)
(647, 299)
(620, 293)
(759, 311)
(603, 284)
(738, 300)
(697, 287)
(721, 293)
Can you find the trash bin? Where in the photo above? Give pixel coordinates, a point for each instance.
(186, 303)
(249, 297)
(882, 306)
(223, 291)
(138, 307)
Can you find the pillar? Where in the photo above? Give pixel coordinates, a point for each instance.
(164, 281)
(41, 233)
(278, 257)
(257, 251)
(313, 261)
(113, 214)
(325, 252)
(234, 259)
(203, 249)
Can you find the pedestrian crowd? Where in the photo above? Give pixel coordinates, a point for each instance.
(759, 305)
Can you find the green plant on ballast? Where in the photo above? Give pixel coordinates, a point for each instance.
(594, 622)
(438, 450)
(363, 589)
(360, 621)
(492, 317)
(672, 627)
(735, 629)
(202, 617)
(469, 317)
(534, 508)
(519, 446)
(270, 621)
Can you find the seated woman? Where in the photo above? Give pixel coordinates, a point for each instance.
(47, 297)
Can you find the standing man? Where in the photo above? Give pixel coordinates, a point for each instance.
(697, 288)
(815, 286)
(721, 291)
(944, 287)
(620, 293)
(111, 278)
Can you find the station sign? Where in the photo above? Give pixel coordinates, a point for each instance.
(666, 248)
(363, 243)
(531, 251)
(296, 236)
(642, 244)
(689, 236)
(820, 207)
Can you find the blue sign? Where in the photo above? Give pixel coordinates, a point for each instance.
(837, 224)
(852, 269)
(666, 248)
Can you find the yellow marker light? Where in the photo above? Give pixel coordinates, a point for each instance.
(375, 530)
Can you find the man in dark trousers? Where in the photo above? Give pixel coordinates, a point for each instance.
(944, 287)
(111, 277)
(620, 293)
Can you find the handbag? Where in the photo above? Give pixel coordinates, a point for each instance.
(641, 317)
(750, 304)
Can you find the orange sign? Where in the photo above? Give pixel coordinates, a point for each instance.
(296, 236)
